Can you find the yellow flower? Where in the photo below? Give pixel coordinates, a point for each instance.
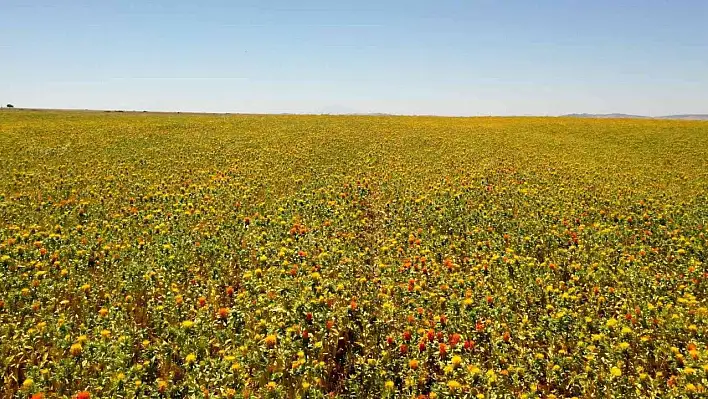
(105, 333)
(474, 370)
(191, 358)
(76, 349)
(388, 385)
(187, 324)
(305, 385)
(491, 376)
(623, 346)
(615, 372)
(28, 383)
(611, 323)
(453, 385)
(456, 361)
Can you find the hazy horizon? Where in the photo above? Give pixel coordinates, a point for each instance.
(400, 57)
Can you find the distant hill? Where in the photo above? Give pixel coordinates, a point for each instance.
(696, 117)
(692, 117)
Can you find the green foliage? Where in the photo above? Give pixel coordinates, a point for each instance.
(146, 255)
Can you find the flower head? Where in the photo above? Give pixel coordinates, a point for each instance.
(76, 349)
(271, 341)
(453, 385)
(191, 358)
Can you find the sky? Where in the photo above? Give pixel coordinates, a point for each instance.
(441, 57)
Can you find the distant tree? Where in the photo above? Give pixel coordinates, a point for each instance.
(10, 106)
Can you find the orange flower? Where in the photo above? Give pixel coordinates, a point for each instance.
(223, 313)
(271, 340)
(455, 339)
(443, 349)
(469, 345)
(229, 290)
(83, 395)
(404, 349)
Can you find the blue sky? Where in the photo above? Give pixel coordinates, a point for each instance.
(440, 57)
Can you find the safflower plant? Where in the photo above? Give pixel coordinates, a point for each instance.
(319, 257)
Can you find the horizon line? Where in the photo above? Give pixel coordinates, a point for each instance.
(614, 115)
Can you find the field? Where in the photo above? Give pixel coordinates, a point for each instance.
(174, 255)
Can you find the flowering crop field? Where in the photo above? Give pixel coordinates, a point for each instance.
(250, 256)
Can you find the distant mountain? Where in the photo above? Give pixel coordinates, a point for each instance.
(693, 117)
(606, 116)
